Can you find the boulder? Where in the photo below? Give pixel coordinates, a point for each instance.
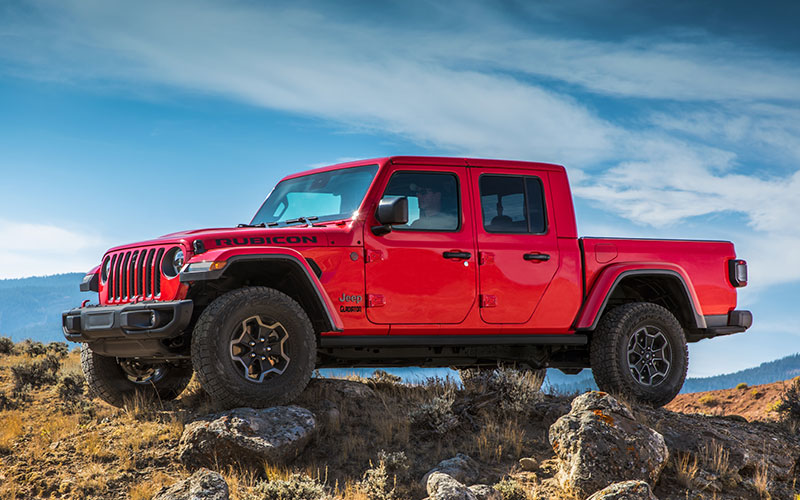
(202, 485)
(247, 436)
(485, 492)
(441, 486)
(626, 490)
(461, 467)
(599, 443)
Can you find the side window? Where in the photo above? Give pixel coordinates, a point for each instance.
(512, 204)
(433, 200)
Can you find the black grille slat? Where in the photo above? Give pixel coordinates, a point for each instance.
(157, 272)
(111, 278)
(118, 278)
(140, 274)
(148, 274)
(125, 276)
(132, 275)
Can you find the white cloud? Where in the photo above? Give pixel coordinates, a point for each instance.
(38, 249)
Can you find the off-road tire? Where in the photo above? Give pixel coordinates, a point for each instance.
(221, 378)
(609, 352)
(108, 381)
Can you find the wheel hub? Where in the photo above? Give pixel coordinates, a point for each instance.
(141, 373)
(259, 348)
(649, 356)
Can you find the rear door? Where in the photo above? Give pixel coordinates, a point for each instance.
(423, 272)
(518, 248)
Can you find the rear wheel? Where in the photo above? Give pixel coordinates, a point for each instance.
(639, 350)
(255, 347)
(116, 379)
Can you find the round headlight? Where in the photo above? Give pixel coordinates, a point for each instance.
(106, 269)
(177, 261)
(172, 262)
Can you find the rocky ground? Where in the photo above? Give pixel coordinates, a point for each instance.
(495, 437)
(755, 403)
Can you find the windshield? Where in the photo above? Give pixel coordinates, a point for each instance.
(332, 195)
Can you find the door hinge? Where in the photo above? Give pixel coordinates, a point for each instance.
(485, 258)
(375, 300)
(373, 256)
(488, 300)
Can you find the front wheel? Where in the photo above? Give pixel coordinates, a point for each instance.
(115, 380)
(639, 350)
(254, 347)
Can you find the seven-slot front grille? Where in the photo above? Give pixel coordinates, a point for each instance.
(135, 274)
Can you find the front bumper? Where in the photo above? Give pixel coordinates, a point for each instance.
(144, 320)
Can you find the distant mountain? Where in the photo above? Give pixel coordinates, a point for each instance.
(31, 307)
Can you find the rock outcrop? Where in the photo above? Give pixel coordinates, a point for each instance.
(461, 467)
(599, 443)
(247, 436)
(441, 486)
(202, 485)
(627, 490)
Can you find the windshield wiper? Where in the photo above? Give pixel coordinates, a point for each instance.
(304, 220)
(260, 224)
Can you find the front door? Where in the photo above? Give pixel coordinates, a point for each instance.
(518, 249)
(423, 272)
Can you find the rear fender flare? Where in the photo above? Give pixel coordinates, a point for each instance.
(266, 255)
(597, 300)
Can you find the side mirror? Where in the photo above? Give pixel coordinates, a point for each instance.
(391, 211)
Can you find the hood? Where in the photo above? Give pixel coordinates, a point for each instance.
(302, 235)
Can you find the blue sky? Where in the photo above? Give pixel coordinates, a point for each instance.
(120, 121)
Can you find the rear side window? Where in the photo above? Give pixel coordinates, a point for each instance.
(512, 204)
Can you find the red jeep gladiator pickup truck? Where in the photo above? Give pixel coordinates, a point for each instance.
(402, 261)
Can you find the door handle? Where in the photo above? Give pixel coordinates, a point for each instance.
(456, 255)
(541, 257)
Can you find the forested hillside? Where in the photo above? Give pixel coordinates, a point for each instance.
(31, 307)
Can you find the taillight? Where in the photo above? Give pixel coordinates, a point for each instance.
(737, 272)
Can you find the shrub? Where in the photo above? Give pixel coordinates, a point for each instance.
(436, 415)
(71, 388)
(517, 390)
(6, 345)
(32, 348)
(57, 349)
(380, 377)
(708, 400)
(7, 403)
(742, 386)
(756, 393)
(35, 374)
(510, 490)
(380, 483)
(788, 407)
(296, 487)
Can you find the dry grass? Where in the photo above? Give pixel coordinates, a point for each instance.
(11, 429)
(497, 441)
(717, 459)
(761, 481)
(686, 469)
(146, 489)
(708, 400)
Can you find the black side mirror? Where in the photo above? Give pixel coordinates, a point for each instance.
(391, 211)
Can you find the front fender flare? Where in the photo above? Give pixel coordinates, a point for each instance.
(597, 300)
(265, 254)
